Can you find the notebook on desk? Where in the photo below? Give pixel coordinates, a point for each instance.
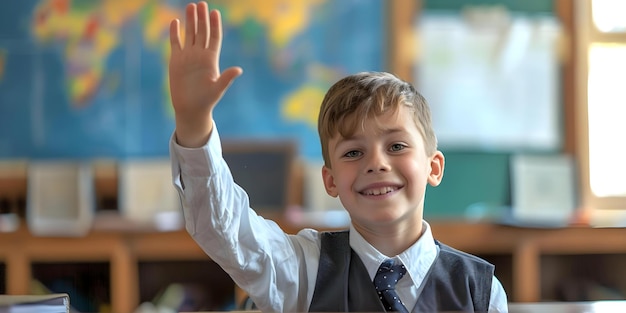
(52, 303)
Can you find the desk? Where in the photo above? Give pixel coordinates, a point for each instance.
(546, 307)
(569, 307)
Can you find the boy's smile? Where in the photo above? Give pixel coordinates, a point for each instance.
(380, 173)
(379, 190)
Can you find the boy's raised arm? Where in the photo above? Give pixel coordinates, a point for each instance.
(196, 83)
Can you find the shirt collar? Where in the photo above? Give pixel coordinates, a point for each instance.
(417, 259)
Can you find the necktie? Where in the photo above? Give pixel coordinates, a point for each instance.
(385, 282)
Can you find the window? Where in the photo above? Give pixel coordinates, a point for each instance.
(602, 104)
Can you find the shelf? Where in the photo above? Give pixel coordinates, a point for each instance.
(529, 262)
(121, 250)
(87, 283)
(587, 277)
(527, 247)
(206, 286)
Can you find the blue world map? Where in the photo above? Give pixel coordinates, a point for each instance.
(88, 79)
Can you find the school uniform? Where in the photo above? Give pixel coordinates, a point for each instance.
(455, 282)
(280, 271)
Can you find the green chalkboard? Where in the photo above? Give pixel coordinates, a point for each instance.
(472, 181)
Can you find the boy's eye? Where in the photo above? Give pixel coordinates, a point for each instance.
(352, 154)
(397, 147)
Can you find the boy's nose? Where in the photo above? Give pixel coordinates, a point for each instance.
(377, 162)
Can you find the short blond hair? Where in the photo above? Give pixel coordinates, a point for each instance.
(364, 95)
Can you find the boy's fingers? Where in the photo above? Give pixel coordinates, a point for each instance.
(228, 76)
(202, 37)
(175, 35)
(191, 20)
(215, 29)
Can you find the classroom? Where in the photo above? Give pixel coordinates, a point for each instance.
(527, 103)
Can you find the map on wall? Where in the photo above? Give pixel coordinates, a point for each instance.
(88, 79)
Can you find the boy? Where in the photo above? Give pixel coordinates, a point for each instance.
(379, 151)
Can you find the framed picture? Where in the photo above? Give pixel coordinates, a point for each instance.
(264, 168)
(147, 195)
(60, 198)
(543, 189)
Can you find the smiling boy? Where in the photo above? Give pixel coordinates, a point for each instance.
(375, 158)
(379, 151)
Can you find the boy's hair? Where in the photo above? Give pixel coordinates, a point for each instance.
(364, 95)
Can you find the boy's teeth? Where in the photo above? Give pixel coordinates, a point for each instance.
(379, 191)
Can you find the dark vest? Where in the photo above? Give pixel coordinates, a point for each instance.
(457, 281)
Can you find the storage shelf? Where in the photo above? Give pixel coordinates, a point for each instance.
(522, 255)
(122, 249)
(527, 247)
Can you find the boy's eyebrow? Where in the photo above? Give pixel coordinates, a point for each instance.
(382, 130)
(392, 130)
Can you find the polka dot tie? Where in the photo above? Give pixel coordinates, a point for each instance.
(385, 282)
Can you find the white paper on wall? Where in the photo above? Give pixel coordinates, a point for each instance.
(491, 82)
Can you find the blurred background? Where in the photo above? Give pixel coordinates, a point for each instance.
(527, 103)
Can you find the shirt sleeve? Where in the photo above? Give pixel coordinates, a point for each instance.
(268, 264)
(498, 302)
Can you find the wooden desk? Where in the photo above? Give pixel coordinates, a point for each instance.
(569, 307)
(549, 307)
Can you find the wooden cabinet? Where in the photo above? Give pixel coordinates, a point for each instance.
(530, 263)
(123, 251)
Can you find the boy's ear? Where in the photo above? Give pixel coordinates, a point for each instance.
(329, 182)
(437, 163)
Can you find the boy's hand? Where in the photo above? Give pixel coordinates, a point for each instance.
(196, 84)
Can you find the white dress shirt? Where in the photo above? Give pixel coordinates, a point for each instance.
(277, 270)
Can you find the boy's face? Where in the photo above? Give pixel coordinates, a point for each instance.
(380, 174)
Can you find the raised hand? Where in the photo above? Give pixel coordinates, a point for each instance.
(196, 83)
